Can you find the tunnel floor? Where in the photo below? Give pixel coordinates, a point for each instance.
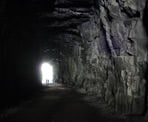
(61, 104)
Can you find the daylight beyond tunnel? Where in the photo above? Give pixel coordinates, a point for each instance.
(99, 46)
(47, 73)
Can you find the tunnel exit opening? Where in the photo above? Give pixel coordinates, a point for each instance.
(47, 73)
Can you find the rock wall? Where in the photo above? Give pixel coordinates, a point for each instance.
(110, 58)
(100, 46)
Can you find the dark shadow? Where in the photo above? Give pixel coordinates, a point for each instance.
(63, 104)
(145, 23)
(20, 36)
(145, 17)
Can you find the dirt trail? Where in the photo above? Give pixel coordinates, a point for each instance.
(57, 104)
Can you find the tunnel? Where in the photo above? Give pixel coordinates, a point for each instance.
(73, 60)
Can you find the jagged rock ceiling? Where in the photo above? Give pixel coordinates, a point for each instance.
(62, 22)
(46, 25)
(67, 14)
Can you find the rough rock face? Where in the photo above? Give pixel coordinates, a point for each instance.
(110, 58)
(100, 45)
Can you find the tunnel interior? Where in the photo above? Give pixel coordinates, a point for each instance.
(99, 46)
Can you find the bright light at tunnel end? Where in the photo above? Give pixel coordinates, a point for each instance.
(47, 73)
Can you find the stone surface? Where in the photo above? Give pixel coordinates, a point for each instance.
(100, 45)
(110, 59)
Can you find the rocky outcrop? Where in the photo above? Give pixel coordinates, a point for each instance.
(110, 58)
